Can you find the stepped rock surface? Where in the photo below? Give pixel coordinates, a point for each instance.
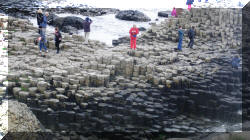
(96, 87)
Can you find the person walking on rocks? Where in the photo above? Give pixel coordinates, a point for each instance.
(58, 39)
(191, 35)
(42, 42)
(39, 17)
(86, 27)
(174, 14)
(133, 33)
(180, 34)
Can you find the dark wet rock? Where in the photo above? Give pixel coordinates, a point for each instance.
(66, 116)
(132, 15)
(121, 41)
(115, 42)
(85, 11)
(69, 29)
(64, 22)
(51, 18)
(163, 13)
(18, 7)
(142, 29)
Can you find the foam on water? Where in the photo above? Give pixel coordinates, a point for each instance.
(221, 3)
(125, 4)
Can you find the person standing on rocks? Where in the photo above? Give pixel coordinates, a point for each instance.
(133, 33)
(191, 35)
(44, 23)
(58, 39)
(189, 3)
(42, 42)
(39, 17)
(174, 14)
(180, 33)
(86, 27)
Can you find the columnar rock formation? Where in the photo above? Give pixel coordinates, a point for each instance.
(211, 25)
(245, 57)
(97, 87)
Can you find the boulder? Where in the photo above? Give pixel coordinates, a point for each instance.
(16, 117)
(51, 18)
(69, 29)
(18, 8)
(69, 24)
(116, 42)
(132, 15)
(121, 40)
(163, 13)
(142, 29)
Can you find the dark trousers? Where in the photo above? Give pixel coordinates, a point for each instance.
(57, 46)
(191, 43)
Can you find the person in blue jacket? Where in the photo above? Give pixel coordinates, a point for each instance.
(180, 33)
(235, 62)
(44, 22)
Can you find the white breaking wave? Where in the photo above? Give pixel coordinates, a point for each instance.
(125, 4)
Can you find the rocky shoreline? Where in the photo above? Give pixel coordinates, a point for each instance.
(153, 89)
(22, 8)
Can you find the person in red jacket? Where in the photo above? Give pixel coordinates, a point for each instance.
(133, 33)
